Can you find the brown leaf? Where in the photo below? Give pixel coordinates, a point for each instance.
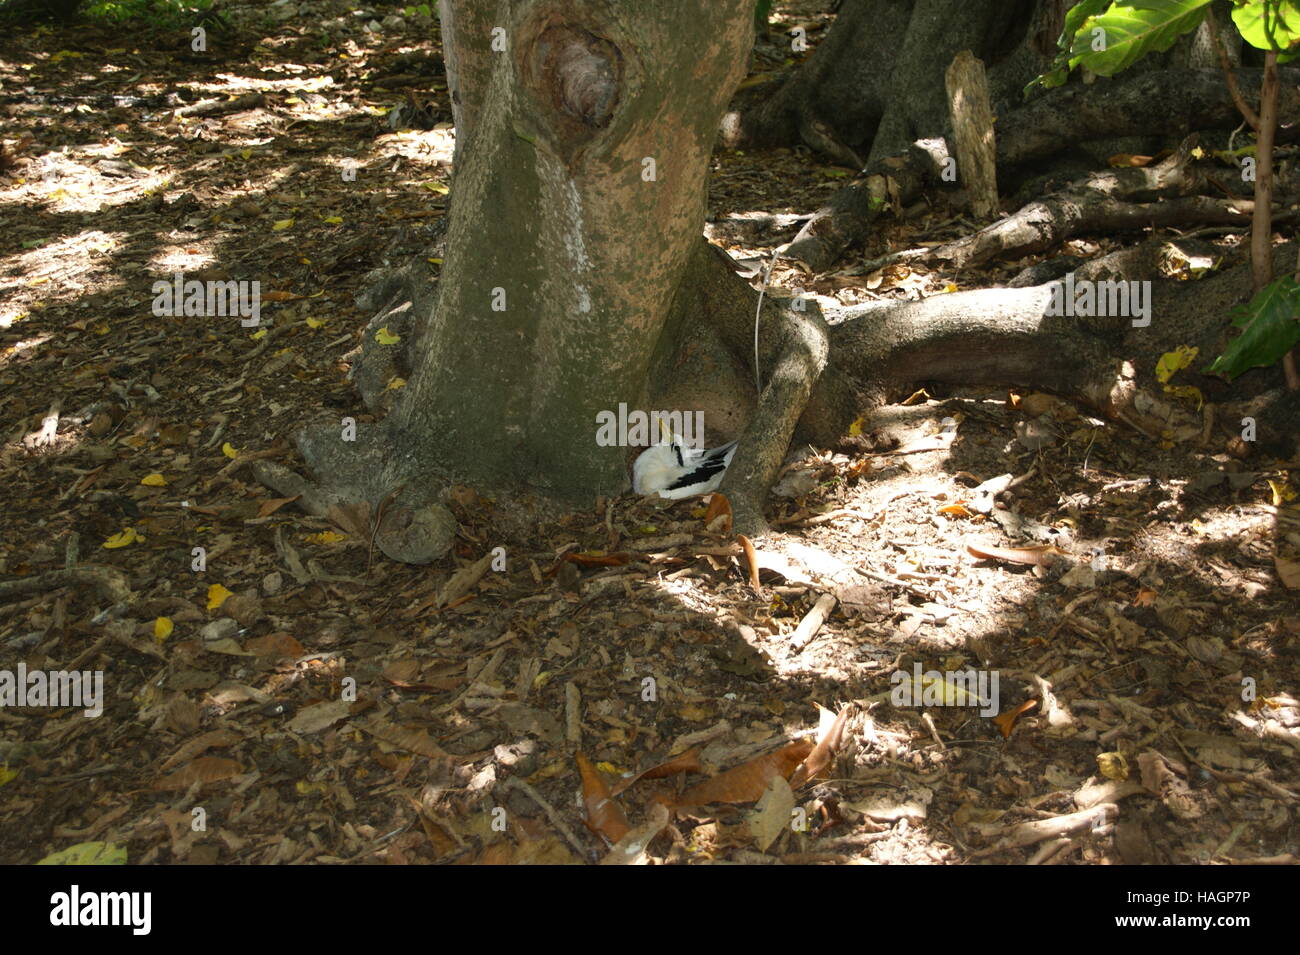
(604, 816)
(271, 505)
(829, 743)
(1145, 597)
(464, 580)
(597, 559)
(212, 739)
(352, 517)
(1288, 571)
(719, 506)
(319, 716)
(631, 849)
(1040, 555)
(412, 739)
(402, 672)
(748, 781)
(276, 646)
(205, 770)
(687, 762)
(751, 559)
(1007, 721)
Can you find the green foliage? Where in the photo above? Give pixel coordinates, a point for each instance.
(164, 14)
(1271, 329)
(33, 11)
(762, 10)
(1108, 36)
(1074, 20)
(1270, 26)
(421, 10)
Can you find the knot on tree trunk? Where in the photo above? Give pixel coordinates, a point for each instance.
(579, 73)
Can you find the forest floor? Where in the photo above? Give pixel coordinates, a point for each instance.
(303, 699)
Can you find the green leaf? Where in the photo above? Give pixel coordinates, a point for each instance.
(1271, 329)
(87, 853)
(1074, 20)
(1271, 25)
(1130, 30)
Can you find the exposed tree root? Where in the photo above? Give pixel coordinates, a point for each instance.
(1154, 103)
(375, 492)
(108, 582)
(762, 447)
(818, 375)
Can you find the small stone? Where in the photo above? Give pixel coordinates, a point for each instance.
(218, 630)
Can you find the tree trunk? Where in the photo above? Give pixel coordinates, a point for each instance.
(875, 83)
(585, 131)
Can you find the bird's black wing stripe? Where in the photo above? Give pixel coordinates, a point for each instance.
(719, 453)
(698, 476)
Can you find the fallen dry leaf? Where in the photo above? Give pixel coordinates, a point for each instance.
(205, 771)
(829, 741)
(748, 781)
(604, 816)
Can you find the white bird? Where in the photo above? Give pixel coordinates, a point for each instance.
(675, 471)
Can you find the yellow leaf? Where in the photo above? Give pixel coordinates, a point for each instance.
(281, 224)
(1189, 393)
(217, 595)
(259, 334)
(162, 629)
(385, 337)
(396, 383)
(437, 187)
(1174, 361)
(855, 429)
(124, 539)
(333, 220)
(436, 261)
(1113, 765)
(153, 480)
(325, 537)
(1282, 492)
(315, 322)
(87, 853)
(229, 451)
(7, 774)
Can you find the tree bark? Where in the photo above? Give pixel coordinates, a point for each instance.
(579, 195)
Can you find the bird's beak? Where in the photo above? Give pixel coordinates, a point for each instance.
(663, 430)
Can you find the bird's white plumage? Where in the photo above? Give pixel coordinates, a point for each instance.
(675, 471)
